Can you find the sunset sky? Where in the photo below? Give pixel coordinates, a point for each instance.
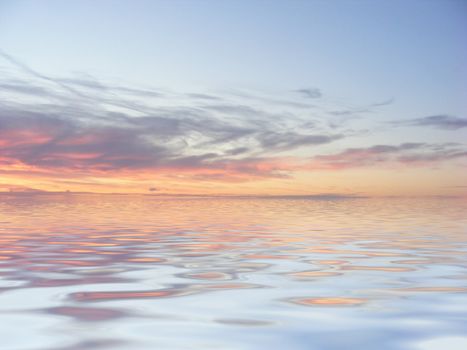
(234, 97)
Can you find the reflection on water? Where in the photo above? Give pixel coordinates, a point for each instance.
(138, 272)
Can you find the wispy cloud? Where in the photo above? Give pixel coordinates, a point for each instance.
(442, 121)
(310, 92)
(80, 126)
(24, 67)
(84, 126)
(408, 154)
(383, 103)
(291, 140)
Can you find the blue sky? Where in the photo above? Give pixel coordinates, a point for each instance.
(379, 62)
(355, 49)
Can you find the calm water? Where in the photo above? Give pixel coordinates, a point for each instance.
(137, 272)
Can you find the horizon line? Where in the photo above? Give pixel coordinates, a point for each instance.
(220, 195)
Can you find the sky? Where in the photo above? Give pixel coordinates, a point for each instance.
(234, 97)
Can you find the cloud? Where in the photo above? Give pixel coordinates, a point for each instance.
(383, 103)
(24, 67)
(18, 189)
(76, 127)
(350, 111)
(203, 96)
(413, 154)
(24, 89)
(433, 156)
(54, 142)
(310, 92)
(86, 137)
(86, 83)
(237, 151)
(291, 140)
(441, 121)
(84, 126)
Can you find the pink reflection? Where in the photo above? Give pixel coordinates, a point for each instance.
(87, 313)
(121, 295)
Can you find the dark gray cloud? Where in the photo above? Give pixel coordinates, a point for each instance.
(54, 142)
(390, 148)
(237, 151)
(434, 156)
(86, 106)
(24, 89)
(89, 126)
(291, 140)
(441, 121)
(405, 153)
(349, 112)
(310, 92)
(204, 96)
(383, 103)
(138, 92)
(234, 110)
(88, 83)
(83, 125)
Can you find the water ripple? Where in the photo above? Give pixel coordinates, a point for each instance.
(230, 273)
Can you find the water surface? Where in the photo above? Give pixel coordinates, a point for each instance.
(141, 272)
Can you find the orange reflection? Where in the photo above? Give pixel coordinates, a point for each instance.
(378, 268)
(188, 246)
(209, 276)
(414, 261)
(305, 274)
(120, 295)
(86, 314)
(330, 262)
(329, 301)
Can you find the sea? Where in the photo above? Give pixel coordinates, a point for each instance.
(147, 272)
